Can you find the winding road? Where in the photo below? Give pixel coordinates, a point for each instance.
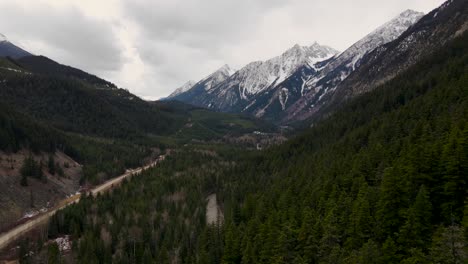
(11, 235)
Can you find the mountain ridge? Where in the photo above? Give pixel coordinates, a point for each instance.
(8, 49)
(345, 63)
(257, 76)
(385, 62)
(274, 88)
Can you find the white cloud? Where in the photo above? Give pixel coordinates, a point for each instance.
(151, 47)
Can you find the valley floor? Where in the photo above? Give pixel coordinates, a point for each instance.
(14, 234)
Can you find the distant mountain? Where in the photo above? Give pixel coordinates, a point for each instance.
(203, 87)
(243, 86)
(315, 87)
(182, 89)
(282, 88)
(258, 76)
(385, 62)
(8, 49)
(431, 33)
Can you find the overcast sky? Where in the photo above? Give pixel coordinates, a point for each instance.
(151, 47)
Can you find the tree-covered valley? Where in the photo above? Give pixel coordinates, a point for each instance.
(381, 181)
(378, 174)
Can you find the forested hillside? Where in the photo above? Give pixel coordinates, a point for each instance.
(50, 110)
(383, 180)
(155, 217)
(48, 106)
(46, 66)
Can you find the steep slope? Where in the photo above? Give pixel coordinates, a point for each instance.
(429, 34)
(8, 49)
(316, 87)
(71, 100)
(181, 89)
(383, 180)
(243, 86)
(271, 103)
(46, 66)
(384, 63)
(201, 89)
(257, 76)
(281, 88)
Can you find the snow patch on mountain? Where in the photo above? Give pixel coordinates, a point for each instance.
(293, 81)
(350, 59)
(382, 35)
(3, 38)
(182, 89)
(283, 97)
(217, 77)
(259, 75)
(191, 88)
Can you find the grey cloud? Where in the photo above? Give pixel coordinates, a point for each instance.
(204, 25)
(79, 40)
(183, 39)
(212, 19)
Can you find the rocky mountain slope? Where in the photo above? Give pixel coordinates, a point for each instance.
(306, 86)
(185, 87)
(282, 87)
(202, 88)
(385, 62)
(256, 77)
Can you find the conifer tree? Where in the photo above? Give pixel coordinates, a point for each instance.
(231, 253)
(392, 202)
(416, 231)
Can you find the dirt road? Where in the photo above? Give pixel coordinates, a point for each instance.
(16, 232)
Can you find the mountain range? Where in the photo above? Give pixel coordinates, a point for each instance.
(306, 82)
(386, 61)
(234, 89)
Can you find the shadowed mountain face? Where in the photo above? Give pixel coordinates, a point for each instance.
(8, 49)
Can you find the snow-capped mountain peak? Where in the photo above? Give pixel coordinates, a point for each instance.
(257, 76)
(317, 87)
(205, 85)
(397, 25)
(182, 89)
(226, 70)
(217, 77)
(313, 52)
(387, 32)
